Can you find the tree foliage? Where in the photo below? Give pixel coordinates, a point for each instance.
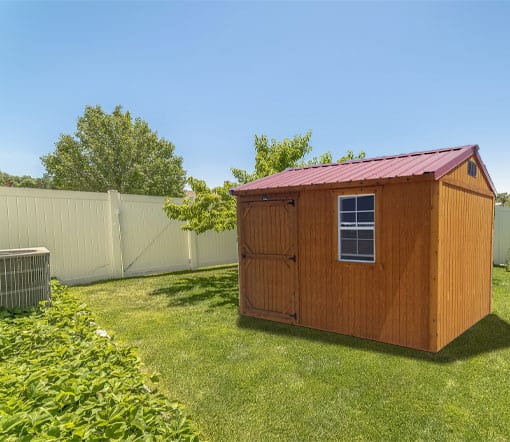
(503, 198)
(215, 209)
(275, 157)
(8, 180)
(113, 151)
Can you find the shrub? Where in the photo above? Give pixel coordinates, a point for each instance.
(64, 379)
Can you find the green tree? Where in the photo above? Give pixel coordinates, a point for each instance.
(8, 180)
(503, 198)
(215, 209)
(113, 151)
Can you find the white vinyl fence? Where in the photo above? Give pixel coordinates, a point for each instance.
(501, 234)
(94, 236)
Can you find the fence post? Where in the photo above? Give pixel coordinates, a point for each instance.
(192, 250)
(115, 234)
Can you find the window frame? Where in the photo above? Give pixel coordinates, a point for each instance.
(472, 168)
(357, 228)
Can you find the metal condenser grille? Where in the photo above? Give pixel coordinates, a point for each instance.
(24, 277)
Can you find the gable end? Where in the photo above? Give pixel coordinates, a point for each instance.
(470, 175)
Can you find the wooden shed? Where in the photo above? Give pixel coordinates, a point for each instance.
(397, 249)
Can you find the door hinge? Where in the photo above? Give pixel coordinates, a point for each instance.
(293, 315)
(292, 203)
(293, 258)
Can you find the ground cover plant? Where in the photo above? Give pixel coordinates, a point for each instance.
(245, 379)
(62, 378)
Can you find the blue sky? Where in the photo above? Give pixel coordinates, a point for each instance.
(380, 77)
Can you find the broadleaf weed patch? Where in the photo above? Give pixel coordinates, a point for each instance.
(61, 379)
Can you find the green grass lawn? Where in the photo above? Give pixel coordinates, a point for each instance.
(244, 379)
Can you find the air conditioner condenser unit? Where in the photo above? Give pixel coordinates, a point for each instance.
(24, 277)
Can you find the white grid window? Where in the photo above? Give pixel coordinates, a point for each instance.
(356, 228)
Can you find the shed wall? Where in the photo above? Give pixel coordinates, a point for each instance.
(466, 208)
(459, 177)
(431, 279)
(386, 301)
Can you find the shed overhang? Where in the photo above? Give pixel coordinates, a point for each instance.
(431, 164)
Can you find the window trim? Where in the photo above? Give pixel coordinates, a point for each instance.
(472, 168)
(357, 228)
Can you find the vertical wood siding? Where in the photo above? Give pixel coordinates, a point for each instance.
(465, 255)
(386, 301)
(431, 279)
(460, 177)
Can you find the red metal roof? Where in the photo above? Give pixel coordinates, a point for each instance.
(438, 162)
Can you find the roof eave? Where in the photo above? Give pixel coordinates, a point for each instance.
(426, 176)
(454, 162)
(486, 173)
(464, 155)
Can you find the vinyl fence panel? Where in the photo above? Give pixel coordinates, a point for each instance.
(501, 234)
(151, 243)
(94, 236)
(71, 225)
(214, 248)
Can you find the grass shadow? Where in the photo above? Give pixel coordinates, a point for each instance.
(198, 287)
(155, 276)
(221, 289)
(490, 334)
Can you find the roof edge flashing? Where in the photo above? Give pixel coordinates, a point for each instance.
(434, 164)
(459, 158)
